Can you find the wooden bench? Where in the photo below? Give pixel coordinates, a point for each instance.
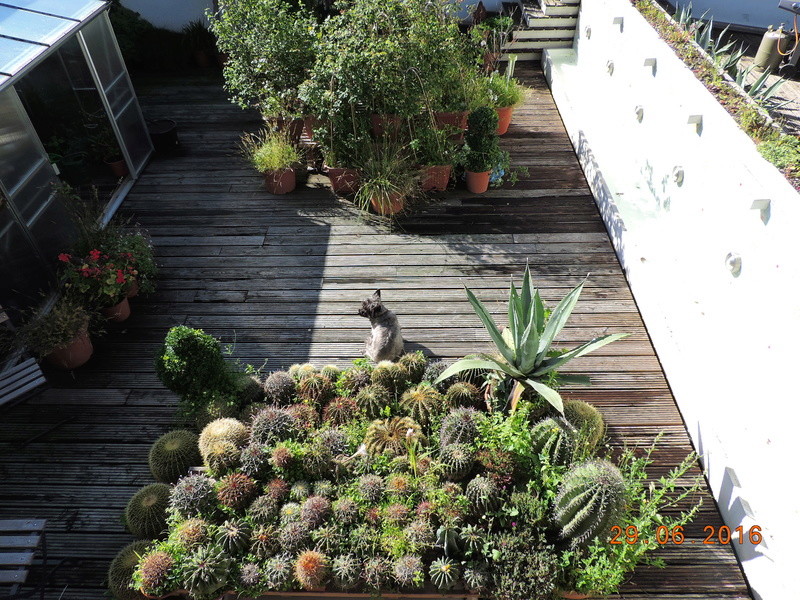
(19, 539)
(20, 380)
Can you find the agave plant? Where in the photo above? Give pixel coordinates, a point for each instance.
(525, 344)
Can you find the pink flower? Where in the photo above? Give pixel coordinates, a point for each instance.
(94, 255)
(120, 277)
(64, 257)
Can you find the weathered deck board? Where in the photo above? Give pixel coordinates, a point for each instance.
(282, 278)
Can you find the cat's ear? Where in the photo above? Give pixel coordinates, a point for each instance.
(376, 295)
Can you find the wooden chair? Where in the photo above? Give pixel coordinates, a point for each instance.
(19, 540)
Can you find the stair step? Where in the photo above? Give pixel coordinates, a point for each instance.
(552, 22)
(524, 56)
(517, 46)
(544, 34)
(561, 10)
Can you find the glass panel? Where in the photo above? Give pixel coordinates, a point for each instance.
(119, 94)
(53, 231)
(72, 9)
(18, 151)
(105, 57)
(21, 273)
(15, 54)
(32, 196)
(33, 27)
(135, 136)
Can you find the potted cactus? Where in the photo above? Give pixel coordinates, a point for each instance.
(275, 157)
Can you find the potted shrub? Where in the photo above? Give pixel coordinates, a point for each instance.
(489, 36)
(481, 153)
(135, 252)
(433, 151)
(60, 335)
(273, 155)
(505, 94)
(106, 149)
(102, 279)
(387, 179)
(345, 141)
(200, 43)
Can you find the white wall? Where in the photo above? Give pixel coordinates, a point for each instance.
(749, 13)
(170, 14)
(682, 192)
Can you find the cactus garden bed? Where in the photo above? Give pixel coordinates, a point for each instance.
(403, 479)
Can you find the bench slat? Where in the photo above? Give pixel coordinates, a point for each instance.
(20, 541)
(16, 559)
(21, 525)
(18, 576)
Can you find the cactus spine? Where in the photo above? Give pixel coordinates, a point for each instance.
(444, 573)
(422, 402)
(555, 438)
(172, 454)
(146, 512)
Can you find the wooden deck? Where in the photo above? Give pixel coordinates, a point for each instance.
(281, 278)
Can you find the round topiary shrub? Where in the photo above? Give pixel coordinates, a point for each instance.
(146, 512)
(191, 362)
(172, 454)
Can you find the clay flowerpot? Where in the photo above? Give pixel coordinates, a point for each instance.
(383, 125)
(436, 177)
(573, 595)
(74, 354)
(117, 166)
(388, 206)
(281, 181)
(344, 181)
(117, 313)
(293, 127)
(504, 119)
(478, 183)
(133, 289)
(451, 119)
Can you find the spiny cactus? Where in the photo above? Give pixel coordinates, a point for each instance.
(422, 402)
(278, 571)
(444, 573)
(476, 577)
(415, 363)
(327, 538)
(332, 372)
(224, 430)
(254, 461)
(263, 509)
(305, 415)
(299, 491)
(221, 457)
(192, 533)
(590, 497)
(280, 388)
(294, 536)
(399, 485)
(318, 461)
(213, 406)
(146, 513)
(425, 509)
(206, 571)
(432, 372)
(457, 461)
(301, 371)
(340, 411)
(390, 375)
(555, 438)
(315, 510)
(371, 488)
(312, 569)
(372, 399)
(377, 572)
(420, 534)
(282, 457)
(290, 512)
(476, 377)
(193, 495)
(364, 540)
(250, 576)
(352, 380)
(372, 516)
(155, 569)
(264, 541)
(172, 454)
(233, 536)
(460, 426)
(390, 436)
(396, 514)
(462, 393)
(272, 425)
(277, 489)
(324, 488)
(483, 494)
(121, 570)
(587, 420)
(472, 537)
(345, 511)
(236, 491)
(346, 570)
(409, 571)
(334, 440)
(315, 389)
(249, 389)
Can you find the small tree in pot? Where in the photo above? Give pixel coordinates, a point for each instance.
(482, 153)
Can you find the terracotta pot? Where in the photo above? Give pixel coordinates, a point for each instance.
(118, 166)
(117, 313)
(293, 127)
(133, 288)
(504, 119)
(281, 181)
(74, 354)
(436, 177)
(344, 181)
(572, 595)
(394, 205)
(383, 125)
(451, 119)
(478, 183)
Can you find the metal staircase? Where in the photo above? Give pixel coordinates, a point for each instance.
(544, 24)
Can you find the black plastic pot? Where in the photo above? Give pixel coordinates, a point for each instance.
(164, 135)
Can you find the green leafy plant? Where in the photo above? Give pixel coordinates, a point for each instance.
(269, 150)
(432, 146)
(47, 330)
(784, 152)
(386, 177)
(524, 345)
(504, 90)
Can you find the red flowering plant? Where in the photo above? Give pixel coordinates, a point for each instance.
(101, 278)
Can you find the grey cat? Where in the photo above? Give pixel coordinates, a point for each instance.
(386, 341)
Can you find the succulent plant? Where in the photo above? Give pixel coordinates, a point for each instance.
(146, 512)
(390, 375)
(249, 389)
(277, 489)
(254, 461)
(263, 509)
(353, 380)
(425, 509)
(193, 495)
(301, 371)
(332, 372)
(432, 372)
(250, 576)
(282, 457)
(396, 514)
(409, 571)
(555, 438)
(299, 491)
(121, 570)
(483, 494)
(400, 464)
(462, 393)
(324, 488)
(222, 456)
(206, 571)
(590, 497)
(315, 510)
(372, 399)
(371, 488)
(318, 461)
(476, 377)
(192, 533)
(377, 572)
(346, 570)
(315, 389)
(500, 465)
(390, 436)
(334, 440)
(587, 420)
(172, 454)
(345, 511)
(327, 539)
(290, 512)
(444, 573)
(448, 538)
(278, 572)
(155, 569)
(457, 461)
(233, 536)
(372, 516)
(399, 485)
(236, 491)
(415, 364)
(422, 402)
(420, 534)
(472, 537)
(213, 406)
(460, 426)
(280, 388)
(294, 536)
(312, 569)
(476, 577)
(272, 425)
(264, 541)
(340, 411)
(225, 430)
(364, 540)
(306, 417)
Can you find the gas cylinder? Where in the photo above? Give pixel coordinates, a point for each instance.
(768, 58)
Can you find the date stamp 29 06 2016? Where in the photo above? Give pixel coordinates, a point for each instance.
(674, 535)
